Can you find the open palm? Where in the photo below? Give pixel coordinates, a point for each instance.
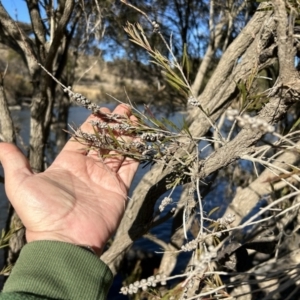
(79, 199)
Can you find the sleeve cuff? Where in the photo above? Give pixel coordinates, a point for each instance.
(59, 270)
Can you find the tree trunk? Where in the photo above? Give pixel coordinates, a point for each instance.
(6, 124)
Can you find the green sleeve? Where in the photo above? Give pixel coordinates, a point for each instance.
(57, 270)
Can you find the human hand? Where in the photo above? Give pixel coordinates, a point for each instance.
(79, 199)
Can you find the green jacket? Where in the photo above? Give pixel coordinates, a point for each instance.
(57, 270)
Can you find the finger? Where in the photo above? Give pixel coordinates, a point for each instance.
(78, 146)
(96, 154)
(134, 120)
(122, 109)
(114, 161)
(129, 165)
(16, 166)
(127, 171)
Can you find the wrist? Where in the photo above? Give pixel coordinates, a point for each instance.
(82, 243)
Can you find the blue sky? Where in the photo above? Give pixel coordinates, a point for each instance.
(16, 8)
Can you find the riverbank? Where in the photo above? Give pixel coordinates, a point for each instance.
(94, 78)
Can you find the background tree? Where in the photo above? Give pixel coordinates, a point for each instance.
(48, 42)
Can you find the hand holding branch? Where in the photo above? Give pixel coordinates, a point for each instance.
(79, 199)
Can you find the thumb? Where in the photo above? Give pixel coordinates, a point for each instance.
(15, 164)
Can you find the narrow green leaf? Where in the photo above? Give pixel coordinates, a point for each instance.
(146, 41)
(157, 123)
(161, 125)
(295, 125)
(213, 210)
(111, 134)
(174, 85)
(185, 127)
(139, 27)
(171, 124)
(242, 88)
(176, 79)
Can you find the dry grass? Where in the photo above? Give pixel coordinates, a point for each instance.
(96, 79)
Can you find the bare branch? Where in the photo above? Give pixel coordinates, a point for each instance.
(36, 21)
(59, 33)
(260, 187)
(286, 50)
(18, 39)
(216, 33)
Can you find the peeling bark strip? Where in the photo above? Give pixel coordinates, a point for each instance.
(216, 34)
(7, 133)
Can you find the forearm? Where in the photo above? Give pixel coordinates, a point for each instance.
(58, 270)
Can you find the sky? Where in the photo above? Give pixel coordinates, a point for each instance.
(16, 9)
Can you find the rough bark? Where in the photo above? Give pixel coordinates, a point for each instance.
(17, 240)
(12, 36)
(222, 86)
(43, 98)
(215, 39)
(261, 186)
(6, 124)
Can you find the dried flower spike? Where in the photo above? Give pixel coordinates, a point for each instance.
(81, 100)
(193, 101)
(164, 203)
